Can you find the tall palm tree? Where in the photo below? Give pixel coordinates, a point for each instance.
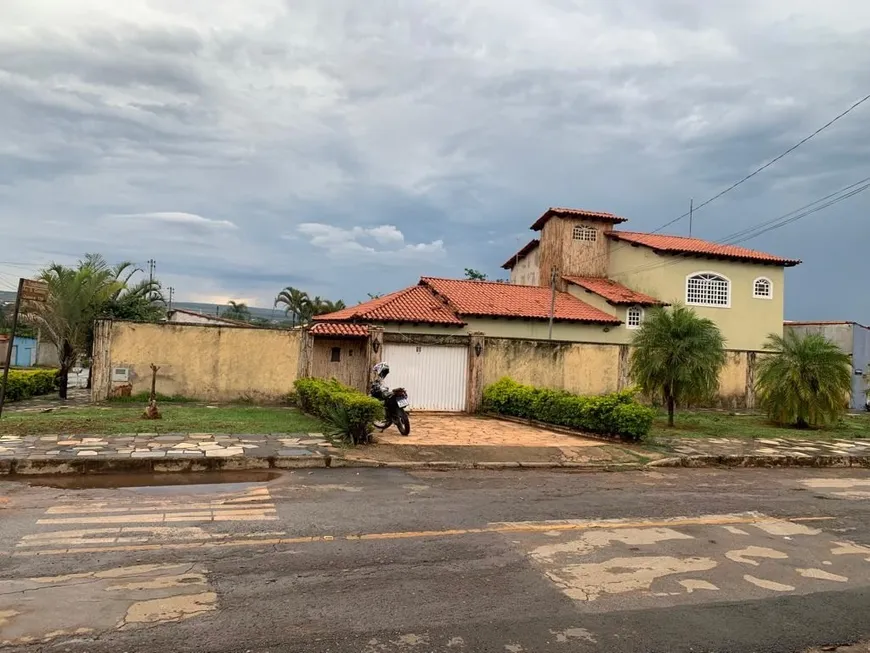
(677, 355)
(237, 311)
(804, 381)
(75, 296)
(295, 303)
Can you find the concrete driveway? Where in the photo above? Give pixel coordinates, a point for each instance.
(458, 430)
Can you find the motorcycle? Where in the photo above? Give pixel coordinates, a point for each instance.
(395, 405)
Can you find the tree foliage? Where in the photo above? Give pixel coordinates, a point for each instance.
(803, 380)
(474, 275)
(301, 308)
(677, 355)
(237, 311)
(77, 295)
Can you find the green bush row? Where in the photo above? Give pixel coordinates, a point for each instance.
(350, 411)
(24, 384)
(615, 414)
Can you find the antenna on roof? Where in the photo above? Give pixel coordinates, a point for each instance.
(691, 211)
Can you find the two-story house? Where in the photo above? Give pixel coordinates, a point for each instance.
(581, 280)
(623, 273)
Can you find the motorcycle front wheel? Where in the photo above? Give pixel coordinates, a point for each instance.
(403, 423)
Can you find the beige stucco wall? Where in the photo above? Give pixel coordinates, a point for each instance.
(745, 324)
(527, 271)
(213, 363)
(522, 329)
(586, 369)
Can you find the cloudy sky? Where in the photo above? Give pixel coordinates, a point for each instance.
(347, 147)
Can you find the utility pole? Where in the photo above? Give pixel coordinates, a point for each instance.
(552, 302)
(151, 264)
(691, 211)
(31, 291)
(10, 343)
(171, 293)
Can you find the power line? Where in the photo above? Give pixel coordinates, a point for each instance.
(770, 163)
(693, 208)
(813, 207)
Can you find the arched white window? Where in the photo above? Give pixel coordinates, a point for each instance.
(633, 317)
(587, 234)
(762, 288)
(708, 289)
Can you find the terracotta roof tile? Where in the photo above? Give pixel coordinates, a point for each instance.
(614, 292)
(686, 245)
(487, 298)
(344, 329)
(527, 249)
(599, 216)
(414, 304)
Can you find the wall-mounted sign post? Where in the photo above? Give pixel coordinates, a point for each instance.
(29, 291)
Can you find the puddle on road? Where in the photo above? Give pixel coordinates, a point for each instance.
(202, 482)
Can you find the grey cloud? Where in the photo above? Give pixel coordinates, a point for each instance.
(453, 121)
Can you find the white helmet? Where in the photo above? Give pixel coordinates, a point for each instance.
(381, 370)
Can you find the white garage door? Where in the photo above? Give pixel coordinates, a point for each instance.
(435, 377)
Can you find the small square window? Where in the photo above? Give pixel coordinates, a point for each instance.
(585, 234)
(633, 317)
(336, 355)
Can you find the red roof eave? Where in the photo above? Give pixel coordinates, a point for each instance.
(600, 216)
(682, 245)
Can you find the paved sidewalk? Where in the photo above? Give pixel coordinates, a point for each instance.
(766, 452)
(76, 397)
(187, 451)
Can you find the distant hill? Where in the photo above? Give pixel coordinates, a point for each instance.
(275, 315)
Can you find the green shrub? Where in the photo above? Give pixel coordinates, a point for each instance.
(24, 384)
(350, 412)
(616, 414)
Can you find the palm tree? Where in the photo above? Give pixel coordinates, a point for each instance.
(75, 296)
(678, 356)
(804, 381)
(295, 302)
(237, 311)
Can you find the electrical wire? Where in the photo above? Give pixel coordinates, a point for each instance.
(775, 223)
(749, 176)
(768, 164)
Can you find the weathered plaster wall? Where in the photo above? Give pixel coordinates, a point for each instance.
(212, 363)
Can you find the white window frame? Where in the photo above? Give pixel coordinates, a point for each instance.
(628, 324)
(581, 233)
(691, 276)
(769, 294)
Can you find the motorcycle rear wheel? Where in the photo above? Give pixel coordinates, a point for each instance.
(403, 423)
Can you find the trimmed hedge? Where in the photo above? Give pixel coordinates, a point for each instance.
(349, 410)
(24, 384)
(615, 414)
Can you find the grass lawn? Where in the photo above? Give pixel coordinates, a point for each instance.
(709, 424)
(177, 418)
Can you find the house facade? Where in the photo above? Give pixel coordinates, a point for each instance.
(580, 281)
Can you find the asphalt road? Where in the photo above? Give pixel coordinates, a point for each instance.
(383, 561)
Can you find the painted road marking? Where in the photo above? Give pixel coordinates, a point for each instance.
(847, 488)
(39, 610)
(221, 540)
(648, 563)
(123, 525)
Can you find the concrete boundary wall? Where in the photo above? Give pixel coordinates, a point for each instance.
(226, 363)
(200, 361)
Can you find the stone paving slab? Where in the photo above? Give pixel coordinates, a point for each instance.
(134, 446)
(768, 447)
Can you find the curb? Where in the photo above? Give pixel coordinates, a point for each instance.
(447, 465)
(755, 460)
(49, 466)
